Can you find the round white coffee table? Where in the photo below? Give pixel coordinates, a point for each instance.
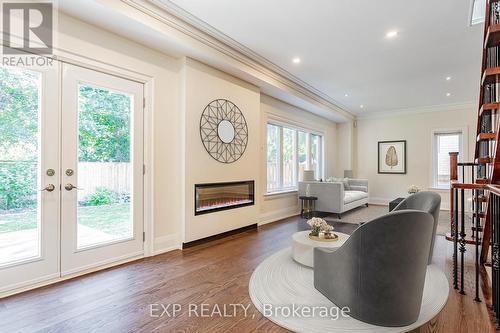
(303, 246)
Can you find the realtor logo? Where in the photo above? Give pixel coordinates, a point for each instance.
(27, 27)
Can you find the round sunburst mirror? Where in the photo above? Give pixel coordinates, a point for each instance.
(223, 131)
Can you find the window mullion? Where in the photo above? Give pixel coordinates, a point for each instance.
(296, 180)
(281, 158)
(308, 151)
(320, 157)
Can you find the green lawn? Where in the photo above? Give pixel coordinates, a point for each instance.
(111, 219)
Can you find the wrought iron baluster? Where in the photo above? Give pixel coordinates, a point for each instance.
(455, 241)
(477, 239)
(462, 240)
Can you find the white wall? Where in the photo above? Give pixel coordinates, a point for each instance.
(203, 84)
(416, 129)
(345, 143)
(275, 207)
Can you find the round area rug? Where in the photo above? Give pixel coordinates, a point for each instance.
(283, 291)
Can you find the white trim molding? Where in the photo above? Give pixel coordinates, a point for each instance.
(277, 215)
(166, 243)
(416, 110)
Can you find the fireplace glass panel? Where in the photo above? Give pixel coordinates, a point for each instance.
(222, 196)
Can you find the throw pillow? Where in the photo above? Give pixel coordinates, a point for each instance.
(347, 187)
(344, 181)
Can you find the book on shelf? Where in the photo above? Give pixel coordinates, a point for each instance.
(490, 93)
(494, 13)
(493, 57)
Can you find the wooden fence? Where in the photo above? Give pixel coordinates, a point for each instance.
(113, 176)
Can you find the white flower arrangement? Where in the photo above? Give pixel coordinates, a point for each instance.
(319, 225)
(413, 189)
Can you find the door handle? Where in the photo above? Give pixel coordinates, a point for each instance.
(70, 186)
(48, 188)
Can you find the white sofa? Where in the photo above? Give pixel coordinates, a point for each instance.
(333, 198)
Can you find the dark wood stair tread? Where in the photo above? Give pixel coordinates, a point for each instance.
(492, 36)
(484, 160)
(489, 107)
(490, 75)
(486, 136)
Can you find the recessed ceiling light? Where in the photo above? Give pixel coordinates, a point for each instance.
(448, 94)
(296, 60)
(391, 34)
(361, 106)
(346, 95)
(448, 78)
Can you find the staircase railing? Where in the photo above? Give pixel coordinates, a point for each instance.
(494, 206)
(458, 232)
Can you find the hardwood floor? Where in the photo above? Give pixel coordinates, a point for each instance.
(118, 299)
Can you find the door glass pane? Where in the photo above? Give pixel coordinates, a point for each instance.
(273, 157)
(289, 157)
(20, 94)
(105, 176)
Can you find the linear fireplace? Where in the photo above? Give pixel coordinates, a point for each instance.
(221, 196)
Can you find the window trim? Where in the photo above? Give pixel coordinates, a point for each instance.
(464, 154)
(281, 124)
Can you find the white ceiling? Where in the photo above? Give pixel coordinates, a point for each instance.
(343, 48)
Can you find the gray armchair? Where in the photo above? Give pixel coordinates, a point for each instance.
(426, 201)
(379, 272)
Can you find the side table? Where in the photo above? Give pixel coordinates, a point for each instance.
(307, 206)
(394, 203)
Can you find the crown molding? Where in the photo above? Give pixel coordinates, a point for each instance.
(177, 18)
(417, 110)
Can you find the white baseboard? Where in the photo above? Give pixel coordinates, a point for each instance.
(166, 243)
(54, 278)
(27, 285)
(379, 201)
(277, 215)
(102, 264)
(161, 245)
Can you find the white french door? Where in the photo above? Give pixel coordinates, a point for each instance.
(102, 169)
(71, 172)
(29, 182)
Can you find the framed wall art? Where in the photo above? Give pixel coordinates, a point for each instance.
(223, 131)
(392, 157)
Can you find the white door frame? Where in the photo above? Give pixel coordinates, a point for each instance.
(73, 258)
(62, 56)
(147, 80)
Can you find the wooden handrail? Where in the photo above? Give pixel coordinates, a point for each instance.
(453, 166)
(465, 186)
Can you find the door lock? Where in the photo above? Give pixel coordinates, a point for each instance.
(69, 172)
(50, 172)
